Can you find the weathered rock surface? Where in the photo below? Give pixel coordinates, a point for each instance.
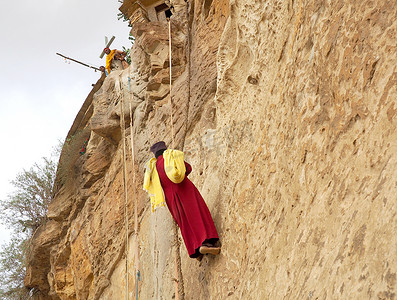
(287, 112)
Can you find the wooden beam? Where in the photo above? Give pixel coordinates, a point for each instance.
(107, 46)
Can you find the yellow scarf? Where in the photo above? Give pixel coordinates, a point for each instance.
(174, 166)
(109, 59)
(152, 185)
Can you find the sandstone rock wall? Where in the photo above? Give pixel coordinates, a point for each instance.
(287, 112)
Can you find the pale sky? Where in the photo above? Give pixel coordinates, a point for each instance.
(40, 94)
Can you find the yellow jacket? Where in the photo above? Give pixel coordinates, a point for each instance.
(109, 59)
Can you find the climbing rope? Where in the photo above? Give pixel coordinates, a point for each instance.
(189, 64)
(178, 272)
(136, 252)
(170, 67)
(122, 125)
(179, 288)
(179, 291)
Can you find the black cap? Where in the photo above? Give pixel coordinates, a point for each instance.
(158, 146)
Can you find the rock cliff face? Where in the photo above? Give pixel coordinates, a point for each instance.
(286, 111)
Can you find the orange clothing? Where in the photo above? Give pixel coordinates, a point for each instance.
(109, 59)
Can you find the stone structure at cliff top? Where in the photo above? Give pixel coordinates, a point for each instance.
(287, 111)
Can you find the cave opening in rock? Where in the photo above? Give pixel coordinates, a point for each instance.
(163, 10)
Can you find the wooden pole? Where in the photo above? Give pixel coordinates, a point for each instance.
(79, 62)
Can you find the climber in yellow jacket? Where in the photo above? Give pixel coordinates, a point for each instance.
(115, 59)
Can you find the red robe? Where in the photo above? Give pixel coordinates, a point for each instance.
(188, 209)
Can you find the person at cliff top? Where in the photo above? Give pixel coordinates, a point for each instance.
(166, 175)
(115, 59)
(102, 69)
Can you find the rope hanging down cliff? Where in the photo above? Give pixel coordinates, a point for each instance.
(179, 287)
(166, 181)
(136, 249)
(125, 177)
(179, 290)
(122, 127)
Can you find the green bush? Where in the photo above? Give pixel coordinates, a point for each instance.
(23, 211)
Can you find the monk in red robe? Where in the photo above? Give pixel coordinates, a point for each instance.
(188, 209)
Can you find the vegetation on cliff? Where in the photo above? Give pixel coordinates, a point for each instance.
(23, 212)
